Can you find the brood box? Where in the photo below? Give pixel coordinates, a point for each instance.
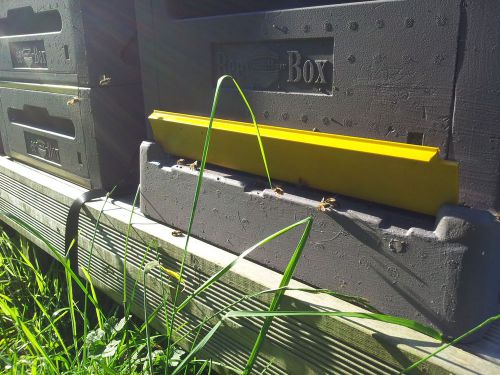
(415, 71)
(87, 135)
(87, 43)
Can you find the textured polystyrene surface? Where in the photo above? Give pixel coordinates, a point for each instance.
(90, 136)
(440, 271)
(415, 71)
(86, 43)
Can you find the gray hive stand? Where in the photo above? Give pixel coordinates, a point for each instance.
(441, 271)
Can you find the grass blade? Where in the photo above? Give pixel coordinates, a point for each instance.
(224, 270)
(38, 276)
(94, 295)
(147, 269)
(200, 181)
(372, 316)
(254, 121)
(454, 342)
(53, 251)
(278, 293)
(29, 335)
(70, 298)
(52, 325)
(252, 296)
(206, 147)
(129, 226)
(197, 348)
(268, 366)
(287, 276)
(202, 368)
(89, 265)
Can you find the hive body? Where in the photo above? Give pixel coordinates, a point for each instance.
(71, 97)
(415, 71)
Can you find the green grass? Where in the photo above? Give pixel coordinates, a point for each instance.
(53, 321)
(42, 323)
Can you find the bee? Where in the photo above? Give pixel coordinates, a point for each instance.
(104, 81)
(327, 204)
(177, 233)
(279, 190)
(194, 165)
(181, 162)
(73, 101)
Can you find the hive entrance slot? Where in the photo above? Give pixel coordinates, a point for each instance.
(24, 21)
(206, 8)
(39, 118)
(415, 138)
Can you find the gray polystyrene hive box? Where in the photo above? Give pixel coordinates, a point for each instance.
(381, 70)
(70, 93)
(475, 134)
(86, 135)
(415, 71)
(75, 42)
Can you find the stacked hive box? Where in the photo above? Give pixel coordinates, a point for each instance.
(71, 101)
(403, 71)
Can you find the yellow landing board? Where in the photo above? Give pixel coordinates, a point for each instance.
(395, 174)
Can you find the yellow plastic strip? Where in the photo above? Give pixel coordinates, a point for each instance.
(395, 174)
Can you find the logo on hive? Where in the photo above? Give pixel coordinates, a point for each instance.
(283, 69)
(30, 54)
(257, 71)
(42, 147)
(309, 71)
